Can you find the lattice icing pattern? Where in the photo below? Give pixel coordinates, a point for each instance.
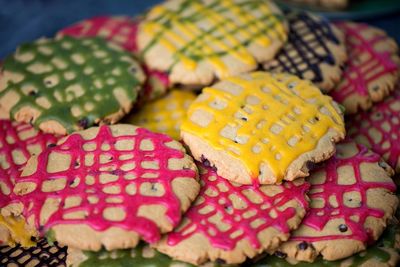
(18, 141)
(227, 213)
(378, 129)
(110, 174)
(263, 120)
(343, 204)
(198, 34)
(314, 50)
(164, 115)
(372, 69)
(122, 31)
(42, 255)
(67, 82)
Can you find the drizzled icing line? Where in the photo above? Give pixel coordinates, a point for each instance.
(122, 31)
(84, 181)
(223, 35)
(307, 47)
(366, 64)
(18, 141)
(241, 218)
(354, 217)
(379, 127)
(274, 118)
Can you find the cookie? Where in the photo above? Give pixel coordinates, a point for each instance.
(383, 254)
(143, 256)
(315, 51)
(108, 186)
(372, 70)
(42, 255)
(351, 202)
(378, 129)
(18, 141)
(230, 222)
(120, 30)
(67, 84)
(199, 41)
(164, 115)
(262, 128)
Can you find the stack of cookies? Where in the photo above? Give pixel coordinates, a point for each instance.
(206, 133)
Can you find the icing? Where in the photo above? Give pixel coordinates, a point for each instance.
(180, 29)
(379, 129)
(354, 217)
(66, 87)
(83, 179)
(121, 30)
(164, 115)
(267, 113)
(366, 65)
(130, 257)
(242, 218)
(18, 141)
(42, 255)
(376, 252)
(307, 47)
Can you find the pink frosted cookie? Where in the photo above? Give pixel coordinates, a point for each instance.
(122, 31)
(378, 129)
(230, 222)
(110, 186)
(372, 70)
(18, 141)
(352, 199)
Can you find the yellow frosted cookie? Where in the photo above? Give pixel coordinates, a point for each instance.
(164, 115)
(262, 128)
(198, 41)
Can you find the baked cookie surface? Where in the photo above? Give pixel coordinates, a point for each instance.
(122, 31)
(164, 115)
(372, 70)
(351, 200)
(315, 50)
(67, 84)
(199, 41)
(18, 141)
(378, 128)
(230, 222)
(262, 128)
(108, 186)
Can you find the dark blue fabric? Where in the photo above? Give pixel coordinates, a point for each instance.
(26, 20)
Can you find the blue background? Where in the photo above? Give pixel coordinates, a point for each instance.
(27, 20)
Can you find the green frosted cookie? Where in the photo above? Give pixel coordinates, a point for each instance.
(65, 84)
(385, 252)
(142, 256)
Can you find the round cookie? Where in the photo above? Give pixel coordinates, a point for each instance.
(230, 222)
(164, 115)
(262, 128)
(67, 84)
(384, 253)
(315, 51)
(142, 255)
(351, 202)
(378, 129)
(18, 141)
(108, 186)
(199, 41)
(42, 255)
(372, 70)
(120, 30)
